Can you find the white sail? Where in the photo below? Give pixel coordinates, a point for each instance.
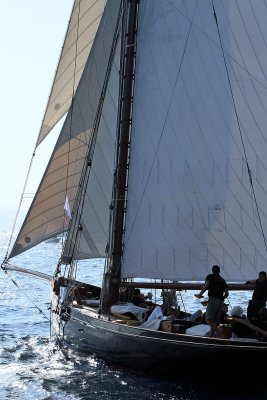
(88, 134)
(82, 28)
(193, 133)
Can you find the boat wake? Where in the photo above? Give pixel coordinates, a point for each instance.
(37, 368)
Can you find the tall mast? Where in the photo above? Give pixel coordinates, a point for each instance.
(111, 288)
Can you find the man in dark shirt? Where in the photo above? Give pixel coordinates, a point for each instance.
(259, 296)
(217, 292)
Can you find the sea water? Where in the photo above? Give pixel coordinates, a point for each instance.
(33, 367)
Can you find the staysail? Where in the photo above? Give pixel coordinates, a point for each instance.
(195, 131)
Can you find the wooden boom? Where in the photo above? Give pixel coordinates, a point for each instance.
(183, 286)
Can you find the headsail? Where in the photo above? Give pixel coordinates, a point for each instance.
(77, 142)
(82, 28)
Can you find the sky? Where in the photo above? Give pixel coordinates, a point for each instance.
(32, 34)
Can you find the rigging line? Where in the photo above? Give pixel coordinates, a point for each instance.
(85, 175)
(71, 112)
(108, 252)
(250, 39)
(182, 301)
(119, 113)
(71, 124)
(239, 126)
(257, 23)
(19, 206)
(165, 119)
(215, 43)
(25, 294)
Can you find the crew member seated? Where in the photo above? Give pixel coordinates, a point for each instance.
(239, 330)
(139, 299)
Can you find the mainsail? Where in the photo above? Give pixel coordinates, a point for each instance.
(199, 122)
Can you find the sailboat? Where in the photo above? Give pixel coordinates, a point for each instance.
(159, 169)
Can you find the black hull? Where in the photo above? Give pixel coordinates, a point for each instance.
(157, 351)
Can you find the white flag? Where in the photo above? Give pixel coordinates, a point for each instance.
(67, 207)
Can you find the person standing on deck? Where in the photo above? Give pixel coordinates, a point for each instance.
(259, 296)
(217, 292)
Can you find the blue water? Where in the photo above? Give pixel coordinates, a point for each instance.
(32, 367)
